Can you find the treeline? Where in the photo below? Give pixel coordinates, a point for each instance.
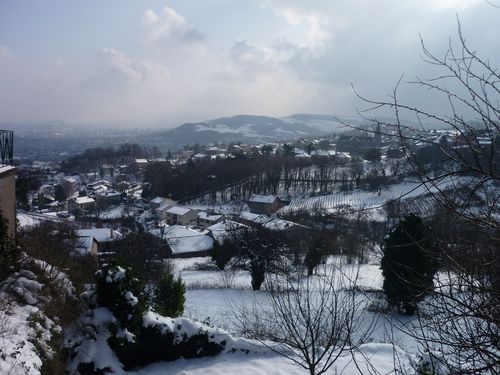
(241, 176)
(93, 158)
(185, 181)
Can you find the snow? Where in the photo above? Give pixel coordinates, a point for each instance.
(100, 234)
(185, 240)
(257, 198)
(24, 330)
(84, 200)
(383, 357)
(178, 210)
(255, 218)
(26, 221)
(223, 229)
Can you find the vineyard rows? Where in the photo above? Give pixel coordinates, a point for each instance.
(409, 193)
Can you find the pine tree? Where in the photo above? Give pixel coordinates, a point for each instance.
(408, 264)
(169, 296)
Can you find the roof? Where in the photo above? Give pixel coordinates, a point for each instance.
(256, 198)
(281, 225)
(255, 218)
(100, 234)
(205, 216)
(185, 240)
(84, 200)
(157, 200)
(223, 229)
(84, 245)
(176, 210)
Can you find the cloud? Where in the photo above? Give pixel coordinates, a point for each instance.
(115, 69)
(317, 26)
(169, 26)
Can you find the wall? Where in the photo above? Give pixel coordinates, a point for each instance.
(8, 196)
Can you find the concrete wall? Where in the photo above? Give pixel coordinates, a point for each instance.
(8, 196)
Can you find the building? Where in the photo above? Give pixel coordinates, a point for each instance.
(8, 180)
(108, 198)
(264, 204)
(205, 219)
(81, 205)
(8, 197)
(180, 215)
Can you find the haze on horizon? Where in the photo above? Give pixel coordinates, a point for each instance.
(177, 61)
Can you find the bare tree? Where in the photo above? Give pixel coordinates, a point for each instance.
(460, 168)
(312, 321)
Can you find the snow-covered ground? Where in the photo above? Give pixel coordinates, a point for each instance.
(24, 330)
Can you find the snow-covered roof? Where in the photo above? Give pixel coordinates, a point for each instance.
(185, 240)
(206, 216)
(157, 200)
(281, 224)
(256, 218)
(100, 234)
(176, 210)
(84, 200)
(141, 161)
(257, 198)
(223, 229)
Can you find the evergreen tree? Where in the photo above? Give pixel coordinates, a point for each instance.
(169, 296)
(408, 264)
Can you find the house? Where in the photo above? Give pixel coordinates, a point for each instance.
(70, 186)
(102, 235)
(225, 229)
(107, 198)
(186, 243)
(264, 204)
(86, 245)
(81, 205)
(205, 219)
(180, 215)
(160, 205)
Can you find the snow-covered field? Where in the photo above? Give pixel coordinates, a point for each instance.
(219, 297)
(362, 199)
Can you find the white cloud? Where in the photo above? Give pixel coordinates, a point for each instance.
(168, 26)
(115, 69)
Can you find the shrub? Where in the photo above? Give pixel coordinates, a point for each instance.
(408, 264)
(122, 294)
(10, 253)
(169, 296)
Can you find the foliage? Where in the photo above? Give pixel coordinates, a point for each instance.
(260, 251)
(10, 253)
(143, 253)
(222, 253)
(121, 293)
(408, 264)
(26, 183)
(169, 297)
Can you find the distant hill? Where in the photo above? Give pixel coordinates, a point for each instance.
(251, 129)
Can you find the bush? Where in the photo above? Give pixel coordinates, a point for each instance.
(222, 253)
(408, 264)
(169, 296)
(10, 253)
(122, 294)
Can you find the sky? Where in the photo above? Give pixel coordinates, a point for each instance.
(167, 62)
